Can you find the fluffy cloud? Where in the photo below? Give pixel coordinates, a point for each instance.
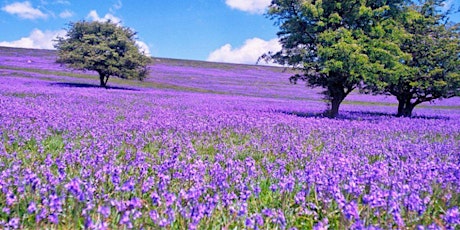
(94, 16)
(116, 6)
(66, 14)
(44, 40)
(143, 47)
(63, 2)
(252, 6)
(55, 2)
(37, 40)
(447, 5)
(24, 10)
(249, 53)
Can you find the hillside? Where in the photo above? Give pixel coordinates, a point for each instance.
(191, 76)
(168, 72)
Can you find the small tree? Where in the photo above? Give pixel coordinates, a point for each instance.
(338, 45)
(434, 46)
(104, 47)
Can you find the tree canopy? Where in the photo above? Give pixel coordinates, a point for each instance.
(434, 48)
(365, 45)
(337, 44)
(104, 47)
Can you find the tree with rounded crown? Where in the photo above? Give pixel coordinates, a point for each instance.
(434, 48)
(338, 45)
(104, 47)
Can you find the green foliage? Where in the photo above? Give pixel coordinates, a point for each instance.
(434, 48)
(404, 48)
(104, 47)
(338, 45)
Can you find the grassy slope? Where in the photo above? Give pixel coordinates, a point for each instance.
(50, 55)
(45, 66)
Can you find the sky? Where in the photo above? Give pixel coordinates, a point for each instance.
(235, 31)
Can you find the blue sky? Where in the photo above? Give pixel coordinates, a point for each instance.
(214, 30)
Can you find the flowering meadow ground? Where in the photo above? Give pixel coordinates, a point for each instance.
(215, 146)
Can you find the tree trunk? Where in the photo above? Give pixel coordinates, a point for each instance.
(335, 104)
(400, 108)
(103, 79)
(405, 107)
(336, 95)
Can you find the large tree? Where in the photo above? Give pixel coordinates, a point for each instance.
(434, 47)
(104, 47)
(338, 45)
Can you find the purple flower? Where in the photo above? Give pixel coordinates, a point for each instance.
(322, 225)
(163, 223)
(6, 210)
(104, 211)
(53, 218)
(351, 211)
(10, 198)
(154, 215)
(170, 199)
(452, 216)
(257, 190)
(155, 198)
(267, 212)
(74, 187)
(300, 197)
(41, 215)
(13, 223)
(135, 203)
(273, 187)
(32, 207)
(125, 220)
(128, 186)
(55, 203)
(243, 209)
(249, 223)
(259, 220)
(136, 214)
(89, 224)
(102, 226)
(280, 219)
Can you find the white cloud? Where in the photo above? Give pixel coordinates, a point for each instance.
(251, 6)
(44, 40)
(116, 6)
(62, 2)
(94, 16)
(24, 10)
(36, 40)
(249, 53)
(66, 14)
(55, 2)
(143, 47)
(447, 5)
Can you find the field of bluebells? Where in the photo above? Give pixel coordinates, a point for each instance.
(215, 146)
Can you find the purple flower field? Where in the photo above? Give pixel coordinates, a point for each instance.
(215, 146)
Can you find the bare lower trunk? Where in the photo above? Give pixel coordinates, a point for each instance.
(103, 80)
(337, 94)
(405, 107)
(335, 104)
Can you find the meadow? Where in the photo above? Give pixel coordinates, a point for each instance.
(202, 145)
